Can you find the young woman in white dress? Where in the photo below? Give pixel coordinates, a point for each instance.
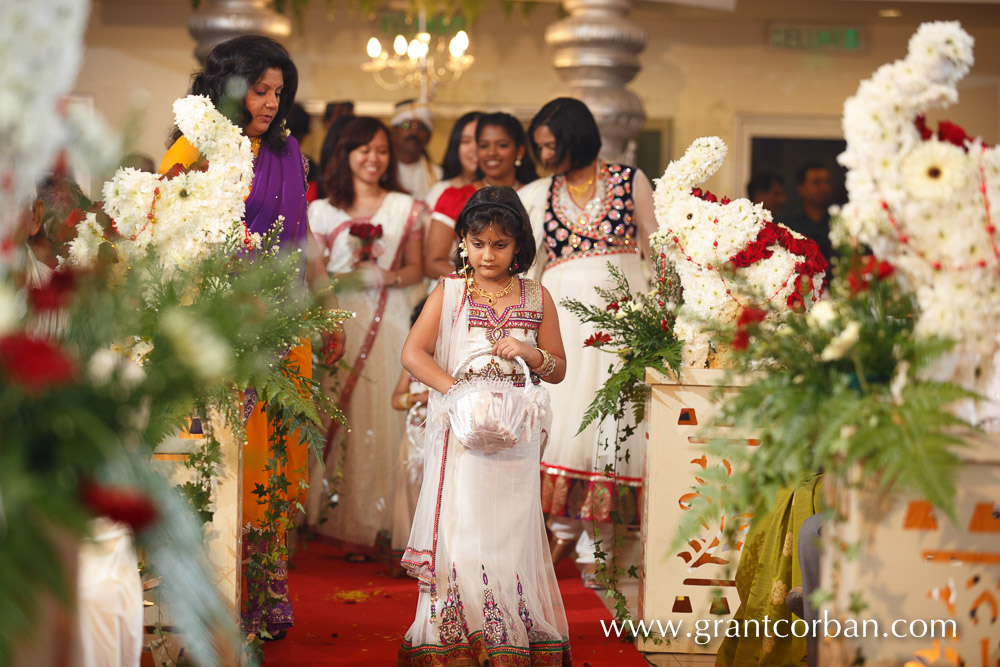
(588, 214)
(370, 233)
(488, 592)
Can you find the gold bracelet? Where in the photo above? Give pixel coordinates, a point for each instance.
(406, 400)
(548, 364)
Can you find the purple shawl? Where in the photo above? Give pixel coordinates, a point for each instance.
(279, 188)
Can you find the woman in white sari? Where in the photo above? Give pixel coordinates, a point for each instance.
(370, 234)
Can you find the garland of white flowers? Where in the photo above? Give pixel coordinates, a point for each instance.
(700, 235)
(928, 204)
(183, 216)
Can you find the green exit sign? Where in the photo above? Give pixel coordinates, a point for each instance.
(815, 37)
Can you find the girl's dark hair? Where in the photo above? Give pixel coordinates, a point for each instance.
(498, 205)
(236, 65)
(526, 172)
(338, 179)
(326, 151)
(451, 166)
(574, 128)
(417, 309)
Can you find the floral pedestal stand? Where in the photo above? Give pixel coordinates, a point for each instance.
(896, 566)
(223, 534)
(698, 582)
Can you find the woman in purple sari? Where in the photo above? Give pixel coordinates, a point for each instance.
(263, 68)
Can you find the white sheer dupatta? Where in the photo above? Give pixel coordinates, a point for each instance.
(418, 559)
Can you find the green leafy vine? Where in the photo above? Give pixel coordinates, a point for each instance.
(638, 329)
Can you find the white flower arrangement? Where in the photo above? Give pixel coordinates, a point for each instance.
(928, 204)
(701, 235)
(184, 216)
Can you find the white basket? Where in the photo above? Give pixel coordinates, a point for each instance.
(491, 415)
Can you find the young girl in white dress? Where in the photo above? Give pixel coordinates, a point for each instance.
(488, 592)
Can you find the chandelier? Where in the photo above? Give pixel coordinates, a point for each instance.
(422, 62)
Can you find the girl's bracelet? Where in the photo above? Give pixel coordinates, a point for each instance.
(548, 364)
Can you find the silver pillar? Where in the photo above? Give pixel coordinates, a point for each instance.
(597, 53)
(220, 20)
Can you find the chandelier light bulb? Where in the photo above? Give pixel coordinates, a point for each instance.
(459, 43)
(374, 48)
(399, 45)
(413, 50)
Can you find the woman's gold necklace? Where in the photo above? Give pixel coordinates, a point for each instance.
(578, 191)
(492, 297)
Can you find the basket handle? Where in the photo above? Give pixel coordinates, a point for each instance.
(524, 365)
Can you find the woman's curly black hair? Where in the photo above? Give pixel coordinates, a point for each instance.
(498, 205)
(235, 65)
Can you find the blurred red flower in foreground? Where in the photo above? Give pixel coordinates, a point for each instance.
(748, 316)
(54, 294)
(34, 363)
(119, 504)
(862, 273)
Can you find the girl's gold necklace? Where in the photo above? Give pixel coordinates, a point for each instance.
(492, 297)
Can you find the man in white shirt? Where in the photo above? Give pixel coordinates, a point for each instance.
(412, 124)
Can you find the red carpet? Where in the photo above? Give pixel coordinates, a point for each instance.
(355, 614)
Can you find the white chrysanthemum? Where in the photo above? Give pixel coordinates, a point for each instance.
(83, 249)
(936, 170)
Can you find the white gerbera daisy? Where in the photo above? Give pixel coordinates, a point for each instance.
(936, 170)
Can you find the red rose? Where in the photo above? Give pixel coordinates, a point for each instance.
(921, 123)
(597, 339)
(119, 504)
(795, 302)
(35, 363)
(861, 275)
(366, 231)
(612, 306)
(884, 269)
(952, 133)
(55, 294)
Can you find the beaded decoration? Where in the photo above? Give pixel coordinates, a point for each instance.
(493, 625)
